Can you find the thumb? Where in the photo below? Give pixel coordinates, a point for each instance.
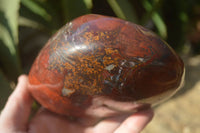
(15, 114)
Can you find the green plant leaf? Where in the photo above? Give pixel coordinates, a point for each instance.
(153, 13)
(88, 3)
(33, 14)
(37, 9)
(9, 58)
(160, 24)
(123, 9)
(5, 90)
(175, 13)
(30, 23)
(74, 8)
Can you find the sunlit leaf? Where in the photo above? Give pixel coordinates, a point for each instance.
(158, 21)
(9, 58)
(117, 9)
(30, 23)
(88, 3)
(33, 14)
(152, 13)
(36, 8)
(123, 9)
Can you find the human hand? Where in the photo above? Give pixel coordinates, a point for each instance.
(14, 118)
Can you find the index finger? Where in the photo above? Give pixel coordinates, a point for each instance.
(136, 122)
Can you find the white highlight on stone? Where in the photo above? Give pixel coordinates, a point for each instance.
(123, 62)
(67, 92)
(122, 84)
(110, 67)
(141, 59)
(132, 64)
(77, 47)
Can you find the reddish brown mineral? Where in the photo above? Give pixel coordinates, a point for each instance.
(97, 62)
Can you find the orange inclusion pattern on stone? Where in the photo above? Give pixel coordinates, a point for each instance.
(96, 56)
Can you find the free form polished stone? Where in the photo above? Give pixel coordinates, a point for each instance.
(97, 66)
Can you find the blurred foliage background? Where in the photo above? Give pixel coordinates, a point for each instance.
(26, 25)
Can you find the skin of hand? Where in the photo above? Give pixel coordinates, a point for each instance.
(14, 118)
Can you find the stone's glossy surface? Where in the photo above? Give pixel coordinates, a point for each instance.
(97, 63)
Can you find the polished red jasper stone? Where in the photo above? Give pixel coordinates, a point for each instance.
(98, 62)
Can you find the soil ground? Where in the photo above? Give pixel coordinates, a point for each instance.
(181, 114)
